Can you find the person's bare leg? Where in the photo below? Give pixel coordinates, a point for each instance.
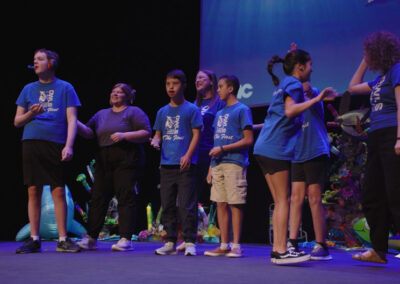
(296, 205)
(237, 220)
(223, 221)
(317, 212)
(60, 210)
(34, 208)
(279, 186)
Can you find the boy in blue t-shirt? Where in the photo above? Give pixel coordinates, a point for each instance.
(47, 109)
(233, 136)
(177, 127)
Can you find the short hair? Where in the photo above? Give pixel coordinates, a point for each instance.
(233, 81)
(51, 56)
(383, 51)
(177, 74)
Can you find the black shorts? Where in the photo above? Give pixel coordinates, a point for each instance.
(41, 163)
(313, 171)
(271, 166)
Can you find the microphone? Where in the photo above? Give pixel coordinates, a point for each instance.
(31, 67)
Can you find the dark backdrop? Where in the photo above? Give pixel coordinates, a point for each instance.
(132, 43)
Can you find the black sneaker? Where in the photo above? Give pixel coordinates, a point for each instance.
(67, 246)
(288, 257)
(29, 246)
(293, 246)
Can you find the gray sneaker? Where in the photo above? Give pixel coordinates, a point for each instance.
(320, 252)
(87, 243)
(122, 245)
(67, 246)
(167, 249)
(294, 247)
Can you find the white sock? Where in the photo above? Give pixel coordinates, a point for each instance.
(62, 239)
(235, 246)
(224, 246)
(35, 238)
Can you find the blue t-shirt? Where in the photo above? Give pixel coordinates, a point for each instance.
(176, 124)
(278, 136)
(55, 97)
(229, 124)
(206, 139)
(383, 100)
(313, 138)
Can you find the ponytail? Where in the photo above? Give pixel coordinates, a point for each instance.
(275, 59)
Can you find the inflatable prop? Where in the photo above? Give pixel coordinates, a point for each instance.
(48, 225)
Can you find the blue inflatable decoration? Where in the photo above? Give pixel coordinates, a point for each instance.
(48, 225)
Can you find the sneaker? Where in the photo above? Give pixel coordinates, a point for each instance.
(181, 247)
(371, 256)
(320, 252)
(123, 245)
(87, 243)
(288, 257)
(29, 246)
(217, 252)
(294, 247)
(235, 252)
(167, 249)
(67, 246)
(190, 249)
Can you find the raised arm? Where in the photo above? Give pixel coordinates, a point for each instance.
(357, 86)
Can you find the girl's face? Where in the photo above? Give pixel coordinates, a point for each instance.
(306, 71)
(117, 97)
(203, 82)
(224, 90)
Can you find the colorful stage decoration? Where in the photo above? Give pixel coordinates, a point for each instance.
(207, 230)
(48, 226)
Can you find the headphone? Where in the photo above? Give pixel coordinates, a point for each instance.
(52, 65)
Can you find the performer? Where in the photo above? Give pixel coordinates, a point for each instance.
(47, 109)
(380, 195)
(275, 144)
(209, 103)
(233, 136)
(120, 130)
(309, 170)
(178, 126)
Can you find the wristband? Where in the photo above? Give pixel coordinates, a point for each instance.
(398, 138)
(222, 149)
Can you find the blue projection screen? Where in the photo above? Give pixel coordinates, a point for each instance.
(239, 37)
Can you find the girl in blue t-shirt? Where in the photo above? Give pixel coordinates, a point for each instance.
(380, 195)
(275, 144)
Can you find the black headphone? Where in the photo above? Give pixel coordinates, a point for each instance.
(52, 65)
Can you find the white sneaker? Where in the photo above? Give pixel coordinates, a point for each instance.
(181, 247)
(88, 243)
(167, 249)
(190, 249)
(122, 245)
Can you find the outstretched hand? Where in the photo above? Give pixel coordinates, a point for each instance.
(327, 94)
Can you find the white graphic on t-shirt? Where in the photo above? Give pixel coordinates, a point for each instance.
(376, 95)
(220, 132)
(204, 109)
(46, 100)
(172, 128)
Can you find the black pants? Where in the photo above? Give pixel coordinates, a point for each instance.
(115, 174)
(177, 188)
(380, 195)
(202, 187)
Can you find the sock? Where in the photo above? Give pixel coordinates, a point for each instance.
(35, 238)
(235, 246)
(224, 246)
(62, 239)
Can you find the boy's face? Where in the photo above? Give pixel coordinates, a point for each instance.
(40, 62)
(173, 87)
(224, 90)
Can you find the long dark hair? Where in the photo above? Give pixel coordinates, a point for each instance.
(213, 88)
(291, 59)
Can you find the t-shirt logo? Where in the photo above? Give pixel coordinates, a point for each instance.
(222, 123)
(172, 125)
(375, 100)
(46, 99)
(204, 109)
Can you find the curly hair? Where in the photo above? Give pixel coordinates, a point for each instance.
(382, 51)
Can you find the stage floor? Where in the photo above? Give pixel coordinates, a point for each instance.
(142, 266)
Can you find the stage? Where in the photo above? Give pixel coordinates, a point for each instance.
(142, 266)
